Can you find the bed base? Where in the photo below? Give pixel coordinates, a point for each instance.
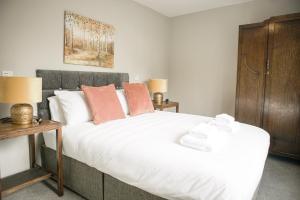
(92, 184)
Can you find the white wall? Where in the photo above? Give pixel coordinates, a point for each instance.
(203, 60)
(32, 38)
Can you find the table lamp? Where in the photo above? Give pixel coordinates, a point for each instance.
(158, 87)
(20, 91)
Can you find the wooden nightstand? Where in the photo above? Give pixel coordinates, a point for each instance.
(164, 105)
(35, 174)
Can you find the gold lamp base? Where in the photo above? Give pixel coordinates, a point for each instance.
(21, 114)
(158, 98)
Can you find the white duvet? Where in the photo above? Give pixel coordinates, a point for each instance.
(144, 151)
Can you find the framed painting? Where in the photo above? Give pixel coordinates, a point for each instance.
(88, 42)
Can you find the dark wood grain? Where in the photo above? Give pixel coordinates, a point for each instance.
(33, 175)
(60, 180)
(9, 130)
(252, 58)
(164, 105)
(283, 18)
(268, 81)
(282, 102)
(18, 181)
(31, 141)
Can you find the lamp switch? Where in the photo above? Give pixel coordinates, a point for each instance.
(7, 73)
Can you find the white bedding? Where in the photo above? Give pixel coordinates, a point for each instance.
(144, 151)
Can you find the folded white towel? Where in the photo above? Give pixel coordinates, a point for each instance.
(195, 143)
(203, 130)
(205, 137)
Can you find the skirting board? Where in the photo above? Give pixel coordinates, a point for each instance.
(93, 184)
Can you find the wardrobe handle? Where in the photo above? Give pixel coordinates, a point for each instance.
(268, 67)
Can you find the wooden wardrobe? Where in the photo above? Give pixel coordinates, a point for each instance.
(268, 81)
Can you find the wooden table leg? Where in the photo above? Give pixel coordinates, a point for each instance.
(177, 108)
(60, 177)
(31, 139)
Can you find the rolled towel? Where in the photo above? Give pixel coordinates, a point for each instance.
(227, 127)
(195, 143)
(224, 119)
(225, 122)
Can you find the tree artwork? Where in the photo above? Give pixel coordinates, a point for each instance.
(88, 42)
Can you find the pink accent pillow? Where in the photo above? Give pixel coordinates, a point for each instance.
(138, 98)
(104, 103)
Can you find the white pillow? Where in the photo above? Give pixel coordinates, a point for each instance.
(123, 101)
(56, 110)
(74, 106)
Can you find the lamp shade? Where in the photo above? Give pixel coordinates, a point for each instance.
(158, 85)
(15, 90)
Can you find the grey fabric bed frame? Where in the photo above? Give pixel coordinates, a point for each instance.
(88, 182)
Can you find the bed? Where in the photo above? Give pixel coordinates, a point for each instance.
(140, 157)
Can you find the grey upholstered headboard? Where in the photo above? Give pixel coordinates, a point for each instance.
(72, 80)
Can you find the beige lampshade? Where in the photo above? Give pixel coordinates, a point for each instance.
(158, 85)
(15, 90)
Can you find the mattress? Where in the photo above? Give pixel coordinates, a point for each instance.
(144, 151)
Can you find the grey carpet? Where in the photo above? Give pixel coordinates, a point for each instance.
(281, 181)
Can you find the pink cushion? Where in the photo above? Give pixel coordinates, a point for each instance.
(138, 98)
(104, 103)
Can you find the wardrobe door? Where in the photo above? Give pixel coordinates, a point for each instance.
(252, 58)
(282, 101)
